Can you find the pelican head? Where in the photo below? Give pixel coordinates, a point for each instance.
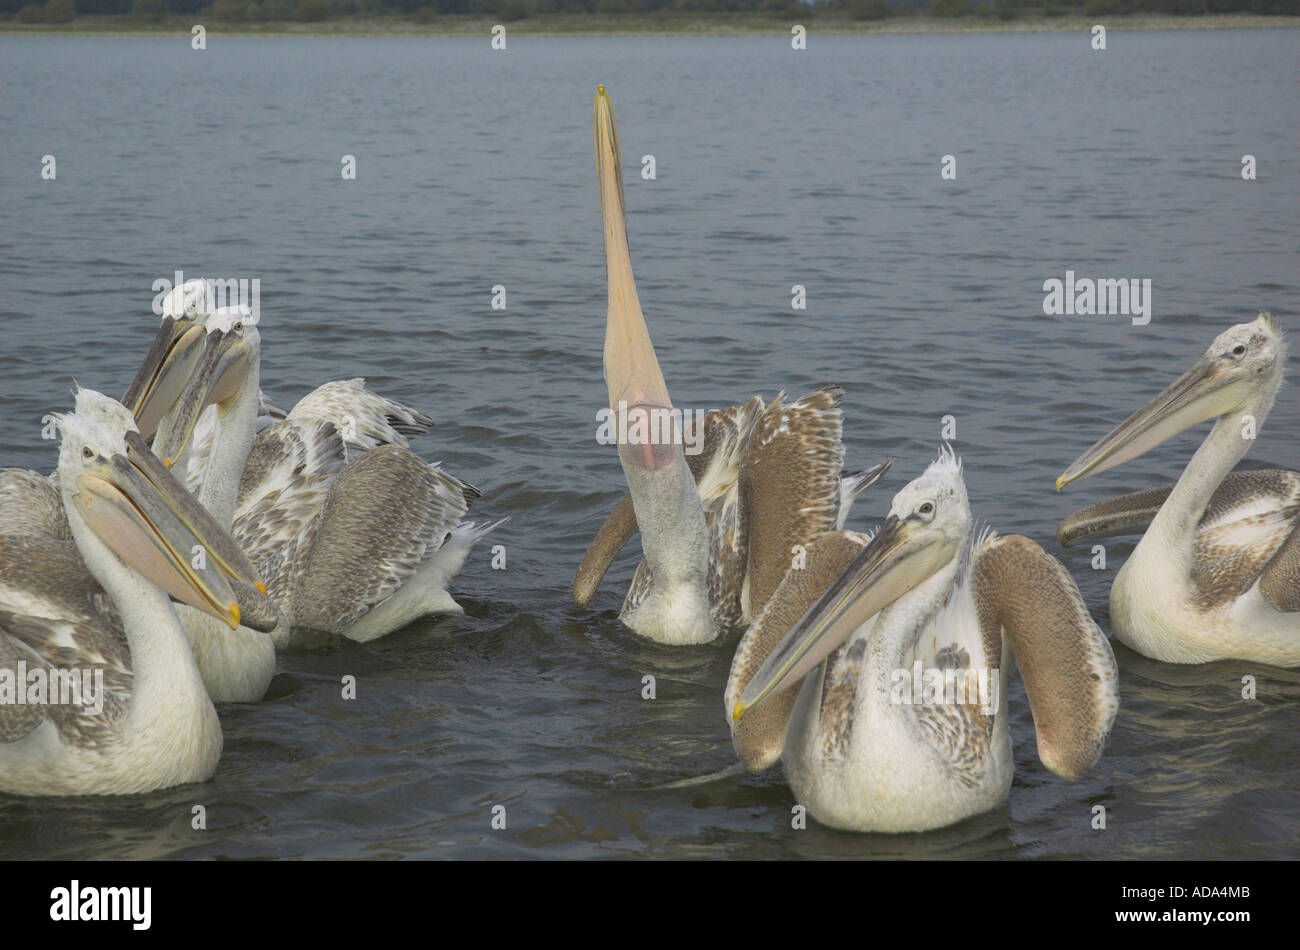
(175, 354)
(231, 351)
(1241, 370)
(132, 513)
(192, 300)
(112, 416)
(106, 410)
(929, 521)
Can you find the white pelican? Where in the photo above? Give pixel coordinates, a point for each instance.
(135, 539)
(351, 542)
(926, 598)
(718, 529)
(1216, 574)
(364, 418)
(237, 665)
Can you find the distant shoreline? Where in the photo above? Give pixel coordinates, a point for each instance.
(634, 24)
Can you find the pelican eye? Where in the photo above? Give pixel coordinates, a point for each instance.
(926, 509)
(87, 452)
(1239, 349)
(239, 326)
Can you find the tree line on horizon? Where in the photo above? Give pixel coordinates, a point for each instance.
(62, 11)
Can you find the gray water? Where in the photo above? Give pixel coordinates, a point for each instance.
(775, 167)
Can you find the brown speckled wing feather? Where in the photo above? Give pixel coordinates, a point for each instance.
(386, 514)
(759, 737)
(285, 450)
(1065, 661)
(55, 616)
(1280, 581)
(717, 477)
(789, 484)
(30, 504)
(1132, 513)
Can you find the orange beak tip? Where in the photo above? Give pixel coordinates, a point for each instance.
(262, 587)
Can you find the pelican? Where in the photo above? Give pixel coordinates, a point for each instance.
(719, 528)
(137, 537)
(1216, 574)
(352, 542)
(925, 600)
(364, 419)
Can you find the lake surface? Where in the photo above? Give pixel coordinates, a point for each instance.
(774, 168)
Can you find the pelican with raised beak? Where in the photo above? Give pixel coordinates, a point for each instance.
(719, 526)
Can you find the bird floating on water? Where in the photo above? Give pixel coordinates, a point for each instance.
(99, 603)
(844, 676)
(355, 538)
(718, 528)
(1216, 574)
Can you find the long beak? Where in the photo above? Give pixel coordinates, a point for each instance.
(135, 516)
(227, 555)
(223, 369)
(1203, 392)
(897, 559)
(632, 372)
(163, 375)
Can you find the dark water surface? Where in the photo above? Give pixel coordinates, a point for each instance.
(774, 168)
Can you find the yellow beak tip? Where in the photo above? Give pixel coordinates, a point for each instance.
(1060, 483)
(737, 713)
(234, 613)
(168, 462)
(600, 90)
(262, 587)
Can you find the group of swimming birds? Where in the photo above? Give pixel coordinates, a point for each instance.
(192, 530)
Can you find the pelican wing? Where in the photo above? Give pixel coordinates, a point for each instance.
(1280, 581)
(1230, 557)
(717, 469)
(1241, 494)
(55, 618)
(386, 514)
(643, 583)
(30, 505)
(1065, 661)
(286, 451)
(759, 736)
(365, 418)
(790, 485)
(269, 528)
(609, 540)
